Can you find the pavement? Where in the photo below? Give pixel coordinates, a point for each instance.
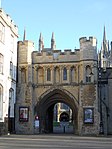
(54, 141)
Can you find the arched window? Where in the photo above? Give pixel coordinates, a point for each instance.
(11, 95)
(64, 74)
(11, 102)
(48, 74)
(1, 101)
(1, 63)
(57, 75)
(88, 72)
(11, 69)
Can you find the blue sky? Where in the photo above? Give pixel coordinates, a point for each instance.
(68, 19)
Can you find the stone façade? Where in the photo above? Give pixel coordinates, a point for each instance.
(39, 94)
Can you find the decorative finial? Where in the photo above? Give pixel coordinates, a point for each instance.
(40, 38)
(104, 34)
(41, 42)
(24, 36)
(52, 36)
(53, 44)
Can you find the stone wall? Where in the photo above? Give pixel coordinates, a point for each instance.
(4, 127)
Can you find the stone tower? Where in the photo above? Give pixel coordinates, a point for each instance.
(24, 87)
(88, 86)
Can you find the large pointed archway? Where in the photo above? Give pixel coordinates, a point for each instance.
(45, 106)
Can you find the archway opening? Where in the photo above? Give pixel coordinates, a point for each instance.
(54, 119)
(62, 119)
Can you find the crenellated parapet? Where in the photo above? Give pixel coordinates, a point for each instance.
(87, 51)
(55, 56)
(88, 48)
(91, 40)
(7, 19)
(25, 50)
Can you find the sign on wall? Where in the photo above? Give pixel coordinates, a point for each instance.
(36, 123)
(23, 114)
(88, 115)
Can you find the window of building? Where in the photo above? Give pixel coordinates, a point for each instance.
(11, 95)
(1, 63)
(12, 43)
(2, 32)
(48, 74)
(64, 74)
(1, 101)
(88, 72)
(14, 72)
(11, 69)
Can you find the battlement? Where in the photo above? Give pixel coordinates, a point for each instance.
(7, 19)
(90, 40)
(55, 56)
(88, 48)
(59, 52)
(47, 55)
(25, 43)
(25, 49)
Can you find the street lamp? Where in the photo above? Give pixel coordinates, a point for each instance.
(100, 98)
(100, 101)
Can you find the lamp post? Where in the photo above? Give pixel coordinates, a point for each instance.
(100, 102)
(101, 131)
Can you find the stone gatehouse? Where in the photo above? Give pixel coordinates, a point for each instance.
(49, 76)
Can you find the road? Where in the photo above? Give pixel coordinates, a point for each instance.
(54, 142)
